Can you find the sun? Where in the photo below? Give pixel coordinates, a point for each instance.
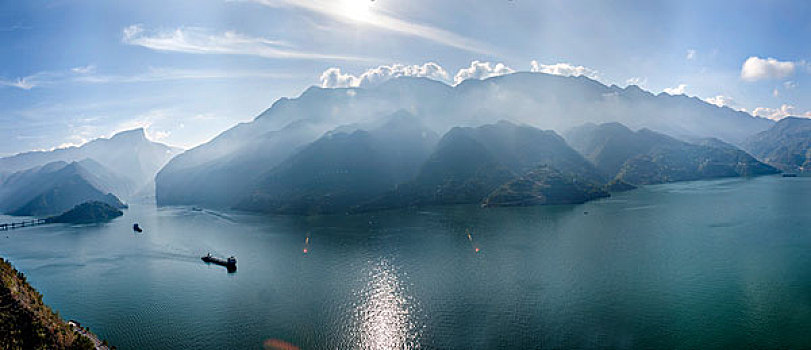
(358, 10)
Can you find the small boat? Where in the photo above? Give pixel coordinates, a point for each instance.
(789, 175)
(137, 228)
(196, 209)
(230, 263)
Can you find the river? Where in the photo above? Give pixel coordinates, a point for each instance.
(706, 264)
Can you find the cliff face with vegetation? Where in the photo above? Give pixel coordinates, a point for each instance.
(26, 322)
(645, 157)
(786, 145)
(544, 186)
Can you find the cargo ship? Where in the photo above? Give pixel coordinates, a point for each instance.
(230, 263)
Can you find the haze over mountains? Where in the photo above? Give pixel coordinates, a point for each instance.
(55, 187)
(336, 150)
(112, 170)
(415, 141)
(128, 154)
(786, 145)
(239, 156)
(647, 157)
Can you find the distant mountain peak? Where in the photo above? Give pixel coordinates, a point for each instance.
(636, 90)
(792, 120)
(786, 145)
(136, 134)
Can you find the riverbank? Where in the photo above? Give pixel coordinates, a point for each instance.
(27, 323)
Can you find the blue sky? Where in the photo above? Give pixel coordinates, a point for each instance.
(71, 71)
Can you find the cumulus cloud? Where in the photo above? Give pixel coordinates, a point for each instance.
(756, 68)
(335, 78)
(199, 41)
(382, 73)
(481, 70)
(691, 54)
(778, 113)
(725, 101)
(679, 90)
(790, 84)
(564, 69)
(721, 101)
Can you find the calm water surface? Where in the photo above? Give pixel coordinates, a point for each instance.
(710, 264)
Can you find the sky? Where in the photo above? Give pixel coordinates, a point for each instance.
(186, 70)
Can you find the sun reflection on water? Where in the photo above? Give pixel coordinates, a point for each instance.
(384, 317)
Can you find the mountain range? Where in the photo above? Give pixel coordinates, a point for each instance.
(414, 142)
(399, 164)
(107, 170)
(786, 145)
(227, 171)
(129, 156)
(647, 157)
(56, 187)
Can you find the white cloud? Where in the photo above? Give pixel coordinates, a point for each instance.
(25, 83)
(170, 74)
(481, 70)
(364, 12)
(638, 81)
(679, 90)
(725, 101)
(756, 68)
(775, 92)
(160, 135)
(564, 69)
(778, 113)
(87, 74)
(382, 73)
(34, 80)
(335, 78)
(84, 70)
(721, 101)
(199, 41)
(790, 84)
(691, 54)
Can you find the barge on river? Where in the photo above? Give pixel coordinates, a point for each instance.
(230, 263)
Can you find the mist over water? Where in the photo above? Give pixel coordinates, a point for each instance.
(695, 264)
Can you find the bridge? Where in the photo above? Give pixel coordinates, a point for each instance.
(21, 224)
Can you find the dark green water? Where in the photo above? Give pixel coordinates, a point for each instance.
(711, 264)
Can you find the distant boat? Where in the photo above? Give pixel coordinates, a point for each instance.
(196, 209)
(789, 175)
(137, 228)
(230, 263)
